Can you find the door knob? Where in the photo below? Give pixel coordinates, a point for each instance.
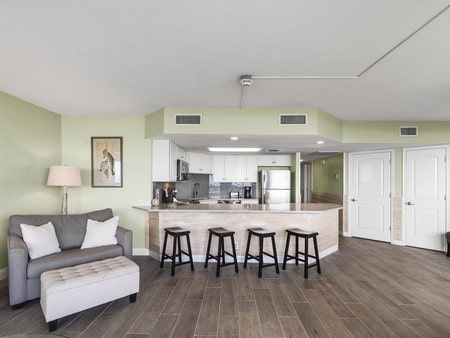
(353, 200)
(409, 203)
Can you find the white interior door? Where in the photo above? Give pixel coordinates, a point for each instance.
(369, 205)
(425, 194)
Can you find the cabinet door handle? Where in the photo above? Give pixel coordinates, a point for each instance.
(409, 203)
(353, 200)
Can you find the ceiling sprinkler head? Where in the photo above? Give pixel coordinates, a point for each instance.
(246, 81)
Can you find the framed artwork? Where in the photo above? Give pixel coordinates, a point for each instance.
(106, 162)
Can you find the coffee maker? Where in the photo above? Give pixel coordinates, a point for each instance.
(247, 192)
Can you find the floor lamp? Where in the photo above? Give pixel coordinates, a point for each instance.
(64, 176)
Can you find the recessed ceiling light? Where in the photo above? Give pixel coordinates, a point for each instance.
(234, 138)
(234, 150)
(320, 142)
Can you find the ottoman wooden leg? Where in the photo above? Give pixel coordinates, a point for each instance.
(53, 325)
(133, 297)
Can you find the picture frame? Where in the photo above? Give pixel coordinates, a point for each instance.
(106, 162)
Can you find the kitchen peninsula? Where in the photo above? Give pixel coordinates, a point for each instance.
(320, 217)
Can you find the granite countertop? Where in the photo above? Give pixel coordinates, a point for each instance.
(308, 208)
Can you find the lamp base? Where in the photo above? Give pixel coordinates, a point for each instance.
(64, 200)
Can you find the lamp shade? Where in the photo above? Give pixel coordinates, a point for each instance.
(62, 175)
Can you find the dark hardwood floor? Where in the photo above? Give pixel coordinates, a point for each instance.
(367, 289)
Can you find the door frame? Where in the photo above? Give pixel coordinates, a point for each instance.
(391, 183)
(447, 190)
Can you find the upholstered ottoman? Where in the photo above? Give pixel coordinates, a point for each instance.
(73, 289)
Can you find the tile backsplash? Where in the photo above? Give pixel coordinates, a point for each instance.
(206, 187)
(220, 189)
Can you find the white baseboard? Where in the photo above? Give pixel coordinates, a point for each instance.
(141, 252)
(3, 273)
(401, 243)
(346, 234)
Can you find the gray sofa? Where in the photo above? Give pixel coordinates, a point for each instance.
(24, 274)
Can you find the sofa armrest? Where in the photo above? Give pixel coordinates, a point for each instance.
(17, 270)
(125, 239)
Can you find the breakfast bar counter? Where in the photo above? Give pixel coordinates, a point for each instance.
(320, 217)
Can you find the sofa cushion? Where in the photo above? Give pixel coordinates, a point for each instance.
(71, 257)
(100, 233)
(40, 240)
(70, 229)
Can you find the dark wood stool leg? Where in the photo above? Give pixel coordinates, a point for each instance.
(223, 249)
(180, 259)
(133, 297)
(219, 254)
(190, 252)
(305, 274)
(208, 249)
(316, 252)
(296, 250)
(448, 249)
(174, 255)
(164, 250)
(275, 257)
(261, 255)
(247, 249)
(286, 251)
(234, 254)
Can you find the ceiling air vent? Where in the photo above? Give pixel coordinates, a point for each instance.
(292, 119)
(188, 119)
(409, 131)
(274, 150)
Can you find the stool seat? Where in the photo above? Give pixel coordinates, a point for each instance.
(177, 233)
(221, 233)
(306, 235)
(302, 233)
(261, 233)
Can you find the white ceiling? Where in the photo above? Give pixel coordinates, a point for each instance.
(134, 57)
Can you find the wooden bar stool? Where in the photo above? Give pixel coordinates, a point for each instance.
(177, 233)
(306, 235)
(261, 234)
(221, 233)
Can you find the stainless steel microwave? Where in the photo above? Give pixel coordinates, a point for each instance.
(182, 170)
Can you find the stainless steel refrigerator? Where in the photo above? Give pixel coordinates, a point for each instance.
(275, 186)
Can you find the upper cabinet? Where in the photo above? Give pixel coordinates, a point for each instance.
(164, 160)
(274, 160)
(225, 168)
(247, 168)
(235, 168)
(200, 163)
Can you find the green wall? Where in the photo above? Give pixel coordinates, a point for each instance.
(76, 148)
(324, 175)
(30, 142)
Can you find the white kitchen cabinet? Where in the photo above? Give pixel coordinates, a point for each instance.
(164, 160)
(247, 168)
(224, 168)
(200, 163)
(274, 160)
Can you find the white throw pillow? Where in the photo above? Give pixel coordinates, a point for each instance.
(100, 233)
(40, 240)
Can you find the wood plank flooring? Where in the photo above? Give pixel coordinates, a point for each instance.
(366, 289)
